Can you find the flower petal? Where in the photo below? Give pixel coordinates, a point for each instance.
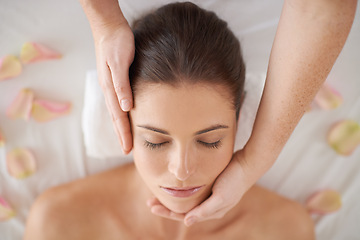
(45, 110)
(34, 52)
(20, 163)
(324, 202)
(2, 140)
(328, 98)
(10, 66)
(344, 136)
(6, 212)
(21, 106)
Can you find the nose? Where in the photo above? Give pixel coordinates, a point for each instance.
(181, 163)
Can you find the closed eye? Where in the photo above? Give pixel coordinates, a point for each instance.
(153, 146)
(216, 144)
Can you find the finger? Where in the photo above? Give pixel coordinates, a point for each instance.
(114, 125)
(121, 83)
(110, 98)
(123, 125)
(120, 78)
(211, 208)
(120, 119)
(152, 202)
(162, 211)
(158, 209)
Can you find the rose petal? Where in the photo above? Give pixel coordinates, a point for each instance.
(21, 106)
(45, 110)
(324, 202)
(328, 98)
(10, 66)
(6, 212)
(2, 140)
(344, 137)
(20, 163)
(34, 52)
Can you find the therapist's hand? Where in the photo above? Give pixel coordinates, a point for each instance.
(227, 191)
(115, 47)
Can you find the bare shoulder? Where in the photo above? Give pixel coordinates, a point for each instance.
(276, 217)
(292, 220)
(83, 209)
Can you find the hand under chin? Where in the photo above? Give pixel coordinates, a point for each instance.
(181, 206)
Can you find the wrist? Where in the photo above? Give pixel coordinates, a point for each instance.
(254, 161)
(103, 15)
(105, 30)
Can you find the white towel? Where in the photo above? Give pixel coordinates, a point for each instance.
(99, 136)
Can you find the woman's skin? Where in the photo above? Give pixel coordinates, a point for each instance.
(309, 38)
(183, 137)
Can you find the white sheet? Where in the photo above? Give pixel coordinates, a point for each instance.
(306, 165)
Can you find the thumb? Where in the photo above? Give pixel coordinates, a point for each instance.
(209, 209)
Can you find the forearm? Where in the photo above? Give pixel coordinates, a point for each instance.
(309, 38)
(102, 15)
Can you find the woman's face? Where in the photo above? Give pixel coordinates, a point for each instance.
(183, 139)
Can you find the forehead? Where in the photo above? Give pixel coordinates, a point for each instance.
(187, 107)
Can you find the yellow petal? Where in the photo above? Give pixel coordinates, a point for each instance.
(344, 136)
(34, 52)
(324, 202)
(2, 140)
(10, 67)
(6, 212)
(45, 110)
(21, 106)
(20, 163)
(328, 98)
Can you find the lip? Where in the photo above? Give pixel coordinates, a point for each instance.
(182, 192)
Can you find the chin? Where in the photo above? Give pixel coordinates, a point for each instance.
(180, 207)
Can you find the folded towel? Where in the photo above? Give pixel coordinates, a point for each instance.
(99, 136)
(254, 86)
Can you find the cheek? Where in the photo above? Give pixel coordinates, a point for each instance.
(149, 165)
(218, 160)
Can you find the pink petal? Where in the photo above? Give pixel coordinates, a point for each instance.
(10, 67)
(6, 212)
(20, 163)
(328, 98)
(344, 136)
(34, 52)
(21, 106)
(2, 140)
(324, 202)
(45, 110)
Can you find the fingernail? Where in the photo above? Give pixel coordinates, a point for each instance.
(190, 221)
(125, 105)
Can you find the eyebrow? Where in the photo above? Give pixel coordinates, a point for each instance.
(209, 129)
(153, 129)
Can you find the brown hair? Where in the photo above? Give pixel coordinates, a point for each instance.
(183, 42)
